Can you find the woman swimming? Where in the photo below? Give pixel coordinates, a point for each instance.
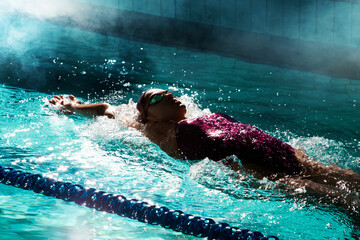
(217, 136)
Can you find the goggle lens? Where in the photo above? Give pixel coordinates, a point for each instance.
(156, 98)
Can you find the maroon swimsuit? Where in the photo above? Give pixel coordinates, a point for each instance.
(218, 135)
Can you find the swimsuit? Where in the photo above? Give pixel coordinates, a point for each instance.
(218, 135)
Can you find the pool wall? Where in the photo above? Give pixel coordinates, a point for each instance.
(311, 35)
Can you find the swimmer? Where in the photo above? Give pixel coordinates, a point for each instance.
(161, 118)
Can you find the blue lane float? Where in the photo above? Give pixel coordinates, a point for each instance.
(131, 208)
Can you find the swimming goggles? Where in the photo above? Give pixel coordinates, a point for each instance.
(155, 99)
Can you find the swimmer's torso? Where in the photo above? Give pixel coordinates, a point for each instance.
(217, 136)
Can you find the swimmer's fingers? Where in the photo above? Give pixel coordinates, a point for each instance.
(55, 100)
(62, 100)
(74, 99)
(59, 99)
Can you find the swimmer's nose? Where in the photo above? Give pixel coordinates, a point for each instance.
(169, 97)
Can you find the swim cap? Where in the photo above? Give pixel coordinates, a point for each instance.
(140, 106)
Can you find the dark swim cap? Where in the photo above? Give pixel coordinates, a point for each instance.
(140, 106)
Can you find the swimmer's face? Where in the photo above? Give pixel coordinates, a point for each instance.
(161, 105)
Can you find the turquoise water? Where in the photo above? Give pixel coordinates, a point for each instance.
(39, 59)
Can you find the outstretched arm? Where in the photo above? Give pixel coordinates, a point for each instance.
(72, 104)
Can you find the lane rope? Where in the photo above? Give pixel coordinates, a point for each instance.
(131, 208)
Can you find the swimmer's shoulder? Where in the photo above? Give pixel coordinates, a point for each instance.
(126, 117)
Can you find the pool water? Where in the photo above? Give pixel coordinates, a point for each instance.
(39, 59)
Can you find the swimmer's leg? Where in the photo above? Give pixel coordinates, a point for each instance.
(334, 176)
(333, 195)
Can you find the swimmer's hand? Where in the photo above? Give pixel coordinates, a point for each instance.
(71, 105)
(65, 105)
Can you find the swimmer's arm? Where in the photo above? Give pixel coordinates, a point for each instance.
(95, 109)
(71, 104)
(134, 124)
